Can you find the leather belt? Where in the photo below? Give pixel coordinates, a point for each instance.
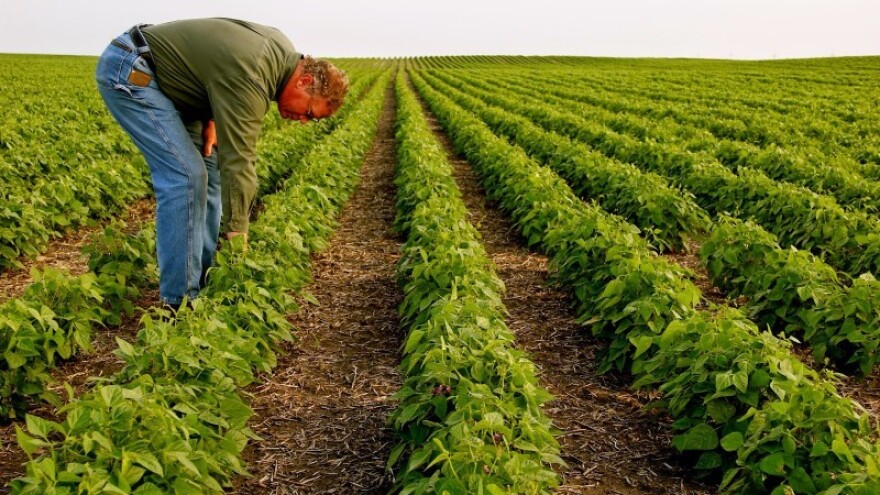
(141, 46)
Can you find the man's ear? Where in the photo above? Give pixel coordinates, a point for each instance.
(305, 81)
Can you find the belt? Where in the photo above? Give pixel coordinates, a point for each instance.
(141, 46)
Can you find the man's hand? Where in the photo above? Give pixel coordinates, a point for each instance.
(209, 134)
(243, 238)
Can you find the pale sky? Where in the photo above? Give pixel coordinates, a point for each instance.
(743, 29)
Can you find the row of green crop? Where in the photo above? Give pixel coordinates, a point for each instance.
(850, 241)
(793, 292)
(732, 112)
(835, 117)
(836, 121)
(797, 294)
(56, 315)
(469, 414)
(744, 404)
(63, 160)
(798, 128)
(835, 126)
(78, 168)
(794, 163)
(666, 215)
(33, 212)
(42, 136)
(172, 421)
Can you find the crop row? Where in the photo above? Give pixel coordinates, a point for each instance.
(795, 164)
(55, 316)
(829, 116)
(849, 241)
(795, 293)
(172, 421)
(665, 214)
(32, 213)
(41, 136)
(63, 164)
(469, 414)
(792, 291)
(808, 141)
(741, 116)
(744, 404)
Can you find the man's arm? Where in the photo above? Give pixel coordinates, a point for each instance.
(238, 107)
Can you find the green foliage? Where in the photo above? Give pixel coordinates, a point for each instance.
(469, 415)
(732, 387)
(792, 291)
(55, 316)
(665, 215)
(172, 421)
(622, 289)
(848, 240)
(63, 163)
(743, 405)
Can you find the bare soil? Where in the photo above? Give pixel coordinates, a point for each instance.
(322, 412)
(610, 443)
(690, 259)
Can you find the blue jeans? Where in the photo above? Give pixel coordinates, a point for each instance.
(186, 184)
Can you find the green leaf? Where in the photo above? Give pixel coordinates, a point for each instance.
(700, 437)
(721, 411)
(126, 348)
(773, 464)
(418, 458)
(800, 481)
(148, 489)
(148, 461)
(28, 443)
(709, 460)
(14, 360)
(642, 344)
(395, 454)
(732, 441)
(183, 459)
(840, 448)
(819, 449)
(38, 426)
(741, 380)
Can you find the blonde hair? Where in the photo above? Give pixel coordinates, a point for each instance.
(331, 83)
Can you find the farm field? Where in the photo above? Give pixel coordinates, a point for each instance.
(483, 275)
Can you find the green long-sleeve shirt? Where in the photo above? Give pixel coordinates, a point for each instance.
(227, 70)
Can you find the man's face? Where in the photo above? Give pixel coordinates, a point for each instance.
(296, 103)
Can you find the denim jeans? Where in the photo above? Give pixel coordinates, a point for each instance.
(186, 184)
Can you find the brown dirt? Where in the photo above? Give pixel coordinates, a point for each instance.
(64, 253)
(865, 391)
(611, 445)
(690, 259)
(322, 412)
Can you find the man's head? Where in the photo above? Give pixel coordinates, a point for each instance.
(315, 90)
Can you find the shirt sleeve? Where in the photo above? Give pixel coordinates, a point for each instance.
(238, 107)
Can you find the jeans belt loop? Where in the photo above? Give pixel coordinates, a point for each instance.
(142, 48)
